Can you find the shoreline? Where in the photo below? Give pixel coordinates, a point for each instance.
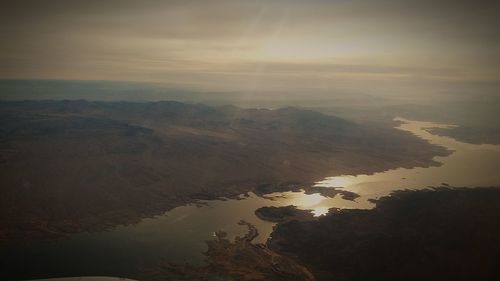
(126, 220)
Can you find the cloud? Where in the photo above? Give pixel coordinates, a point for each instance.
(202, 40)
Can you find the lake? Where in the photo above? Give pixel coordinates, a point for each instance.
(180, 234)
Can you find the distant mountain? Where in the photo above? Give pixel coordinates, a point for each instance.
(15, 90)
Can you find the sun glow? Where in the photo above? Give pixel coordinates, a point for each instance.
(310, 200)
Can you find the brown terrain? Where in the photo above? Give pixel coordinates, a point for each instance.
(234, 261)
(72, 166)
(434, 234)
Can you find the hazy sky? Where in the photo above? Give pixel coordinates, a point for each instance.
(255, 44)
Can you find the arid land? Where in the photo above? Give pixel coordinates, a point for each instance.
(73, 166)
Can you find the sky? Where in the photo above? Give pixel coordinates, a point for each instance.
(380, 46)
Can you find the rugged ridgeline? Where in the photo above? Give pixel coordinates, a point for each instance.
(70, 166)
(442, 234)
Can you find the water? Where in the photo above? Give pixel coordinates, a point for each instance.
(180, 234)
(469, 165)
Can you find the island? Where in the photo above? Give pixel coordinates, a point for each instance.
(283, 214)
